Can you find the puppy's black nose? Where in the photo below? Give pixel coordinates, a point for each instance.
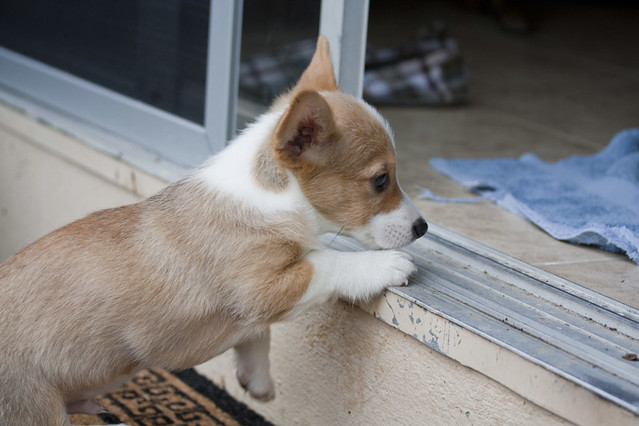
(419, 227)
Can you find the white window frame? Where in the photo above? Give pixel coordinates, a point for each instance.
(345, 25)
(174, 138)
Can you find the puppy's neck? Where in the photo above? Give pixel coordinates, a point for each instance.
(246, 172)
(266, 172)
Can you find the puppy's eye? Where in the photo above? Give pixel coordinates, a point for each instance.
(381, 182)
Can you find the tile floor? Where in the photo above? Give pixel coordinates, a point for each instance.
(565, 89)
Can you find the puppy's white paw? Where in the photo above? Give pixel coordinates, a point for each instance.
(380, 270)
(259, 386)
(395, 267)
(359, 276)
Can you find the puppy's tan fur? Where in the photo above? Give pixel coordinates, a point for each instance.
(185, 275)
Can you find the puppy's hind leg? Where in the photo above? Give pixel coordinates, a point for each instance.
(253, 366)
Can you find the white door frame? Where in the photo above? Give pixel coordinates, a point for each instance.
(345, 25)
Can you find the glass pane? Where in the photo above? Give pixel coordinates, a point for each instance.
(150, 50)
(278, 40)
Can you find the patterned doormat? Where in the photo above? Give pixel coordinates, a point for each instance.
(157, 397)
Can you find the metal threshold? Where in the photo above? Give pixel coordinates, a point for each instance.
(576, 334)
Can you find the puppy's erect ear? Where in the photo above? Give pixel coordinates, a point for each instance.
(319, 73)
(305, 131)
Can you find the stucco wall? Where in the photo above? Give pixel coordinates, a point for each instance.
(48, 179)
(40, 192)
(334, 365)
(338, 365)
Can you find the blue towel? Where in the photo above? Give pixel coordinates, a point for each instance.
(591, 200)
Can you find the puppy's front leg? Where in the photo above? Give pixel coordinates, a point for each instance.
(253, 366)
(356, 276)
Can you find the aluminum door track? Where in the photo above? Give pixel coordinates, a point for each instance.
(586, 338)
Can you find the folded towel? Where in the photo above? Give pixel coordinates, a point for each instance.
(591, 200)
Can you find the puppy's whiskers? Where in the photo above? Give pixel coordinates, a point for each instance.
(335, 237)
(330, 244)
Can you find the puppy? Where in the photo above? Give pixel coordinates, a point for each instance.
(211, 261)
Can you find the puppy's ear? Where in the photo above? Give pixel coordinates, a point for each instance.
(319, 73)
(305, 132)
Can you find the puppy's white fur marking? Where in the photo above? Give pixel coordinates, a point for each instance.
(392, 229)
(231, 171)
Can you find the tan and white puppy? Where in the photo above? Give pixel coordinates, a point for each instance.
(209, 262)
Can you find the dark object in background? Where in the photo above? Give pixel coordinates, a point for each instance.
(426, 70)
(512, 16)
